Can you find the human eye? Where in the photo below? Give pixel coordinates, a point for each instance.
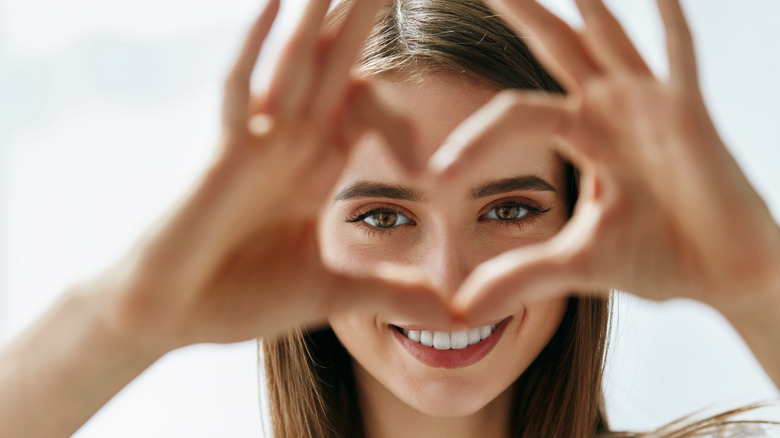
(513, 212)
(383, 219)
(507, 212)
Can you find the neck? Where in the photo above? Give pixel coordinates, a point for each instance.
(386, 416)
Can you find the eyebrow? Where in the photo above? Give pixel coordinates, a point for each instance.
(368, 189)
(525, 182)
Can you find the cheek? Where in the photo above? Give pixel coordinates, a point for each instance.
(540, 322)
(335, 249)
(348, 249)
(357, 332)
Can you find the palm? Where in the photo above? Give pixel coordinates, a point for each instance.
(264, 286)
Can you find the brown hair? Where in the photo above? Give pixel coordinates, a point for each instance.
(311, 387)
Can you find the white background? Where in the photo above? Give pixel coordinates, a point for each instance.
(108, 110)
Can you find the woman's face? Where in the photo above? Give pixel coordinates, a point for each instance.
(511, 198)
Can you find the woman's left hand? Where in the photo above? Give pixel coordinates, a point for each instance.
(664, 211)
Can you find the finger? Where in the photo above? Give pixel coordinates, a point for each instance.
(519, 116)
(679, 42)
(394, 290)
(297, 65)
(511, 280)
(556, 44)
(367, 111)
(607, 40)
(237, 85)
(343, 51)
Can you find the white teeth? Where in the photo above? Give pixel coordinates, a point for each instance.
(441, 340)
(459, 340)
(450, 341)
(484, 331)
(474, 336)
(426, 338)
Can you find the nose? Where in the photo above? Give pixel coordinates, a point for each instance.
(447, 257)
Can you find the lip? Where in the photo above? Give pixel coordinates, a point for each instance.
(451, 359)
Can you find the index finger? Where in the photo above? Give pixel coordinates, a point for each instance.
(343, 51)
(520, 116)
(557, 45)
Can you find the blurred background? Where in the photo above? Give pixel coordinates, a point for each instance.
(109, 111)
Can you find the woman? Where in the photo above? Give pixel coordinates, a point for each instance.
(253, 252)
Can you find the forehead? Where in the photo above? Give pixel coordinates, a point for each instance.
(435, 105)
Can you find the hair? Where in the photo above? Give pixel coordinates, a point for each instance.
(311, 388)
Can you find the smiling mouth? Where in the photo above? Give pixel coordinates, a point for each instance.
(450, 349)
(449, 340)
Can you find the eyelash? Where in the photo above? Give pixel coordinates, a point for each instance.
(359, 217)
(534, 212)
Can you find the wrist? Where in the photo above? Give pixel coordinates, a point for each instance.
(99, 305)
(755, 292)
(756, 304)
(758, 322)
(759, 315)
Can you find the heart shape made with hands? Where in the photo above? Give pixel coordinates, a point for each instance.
(657, 186)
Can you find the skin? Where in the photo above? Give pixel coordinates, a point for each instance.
(233, 261)
(446, 238)
(229, 262)
(646, 148)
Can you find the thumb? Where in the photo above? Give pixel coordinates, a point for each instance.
(512, 279)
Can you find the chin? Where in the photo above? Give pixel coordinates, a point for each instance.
(449, 398)
(438, 393)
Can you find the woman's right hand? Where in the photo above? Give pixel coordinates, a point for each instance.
(238, 257)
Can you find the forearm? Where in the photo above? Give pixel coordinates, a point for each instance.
(64, 368)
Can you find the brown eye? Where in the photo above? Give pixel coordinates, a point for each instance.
(507, 212)
(385, 219)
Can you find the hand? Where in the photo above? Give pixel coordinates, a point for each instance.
(663, 212)
(238, 259)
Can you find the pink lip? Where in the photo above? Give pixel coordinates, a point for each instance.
(450, 359)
